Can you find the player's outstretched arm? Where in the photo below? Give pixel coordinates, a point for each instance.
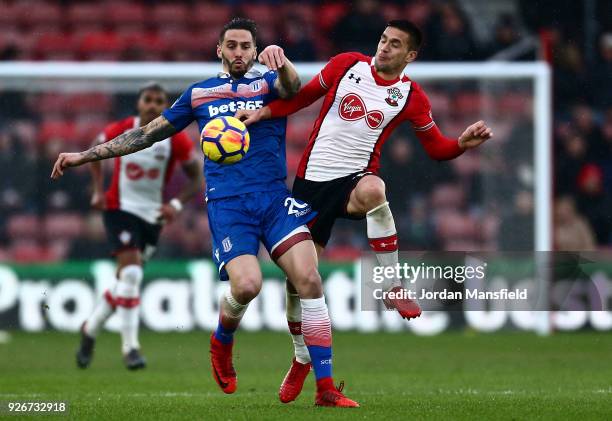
(442, 148)
(97, 179)
(124, 144)
(475, 135)
(288, 82)
(249, 117)
(284, 107)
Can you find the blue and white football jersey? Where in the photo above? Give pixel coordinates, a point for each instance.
(264, 166)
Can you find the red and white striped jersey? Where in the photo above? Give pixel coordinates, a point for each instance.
(359, 113)
(139, 178)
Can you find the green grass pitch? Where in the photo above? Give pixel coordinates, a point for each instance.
(453, 376)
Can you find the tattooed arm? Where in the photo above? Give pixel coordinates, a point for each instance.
(124, 144)
(97, 178)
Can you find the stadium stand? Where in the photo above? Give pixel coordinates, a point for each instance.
(39, 222)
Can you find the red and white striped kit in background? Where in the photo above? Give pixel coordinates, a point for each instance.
(139, 178)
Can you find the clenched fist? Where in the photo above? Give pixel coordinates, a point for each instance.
(273, 57)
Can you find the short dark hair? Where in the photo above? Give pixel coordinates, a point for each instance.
(239, 23)
(152, 86)
(416, 37)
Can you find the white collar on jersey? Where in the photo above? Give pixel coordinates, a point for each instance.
(253, 73)
(402, 76)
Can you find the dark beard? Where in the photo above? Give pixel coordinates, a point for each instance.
(234, 74)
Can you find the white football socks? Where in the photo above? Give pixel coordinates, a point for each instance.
(294, 320)
(316, 325)
(127, 299)
(232, 309)
(103, 310)
(382, 237)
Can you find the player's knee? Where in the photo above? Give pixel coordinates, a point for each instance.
(310, 285)
(131, 256)
(246, 288)
(371, 193)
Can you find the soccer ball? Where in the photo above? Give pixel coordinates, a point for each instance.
(225, 140)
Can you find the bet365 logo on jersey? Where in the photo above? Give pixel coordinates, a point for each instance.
(296, 208)
(233, 107)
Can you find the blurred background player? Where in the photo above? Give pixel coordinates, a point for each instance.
(366, 98)
(133, 216)
(248, 202)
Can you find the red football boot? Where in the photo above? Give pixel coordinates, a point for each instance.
(294, 381)
(221, 363)
(407, 308)
(332, 396)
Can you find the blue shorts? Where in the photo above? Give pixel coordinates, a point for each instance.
(239, 223)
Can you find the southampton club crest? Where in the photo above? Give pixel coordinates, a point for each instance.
(394, 96)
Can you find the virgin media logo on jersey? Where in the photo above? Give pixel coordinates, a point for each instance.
(136, 172)
(353, 108)
(374, 119)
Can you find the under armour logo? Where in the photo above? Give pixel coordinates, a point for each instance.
(352, 76)
(384, 245)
